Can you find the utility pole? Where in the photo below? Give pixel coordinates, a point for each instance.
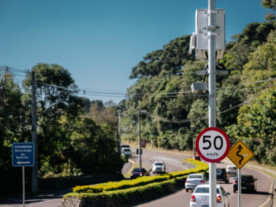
(193, 140)
(120, 128)
(34, 137)
(150, 135)
(139, 151)
(119, 134)
(212, 92)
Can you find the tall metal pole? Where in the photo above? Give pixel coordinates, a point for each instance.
(193, 141)
(239, 187)
(34, 137)
(120, 128)
(212, 92)
(23, 185)
(150, 135)
(140, 159)
(119, 134)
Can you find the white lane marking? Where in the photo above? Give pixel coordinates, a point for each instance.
(271, 189)
(179, 165)
(166, 158)
(40, 203)
(171, 161)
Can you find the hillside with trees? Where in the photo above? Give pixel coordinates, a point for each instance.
(171, 116)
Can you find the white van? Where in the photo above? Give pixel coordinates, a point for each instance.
(125, 150)
(231, 170)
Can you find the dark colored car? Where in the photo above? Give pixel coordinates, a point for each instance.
(138, 172)
(196, 157)
(248, 183)
(222, 175)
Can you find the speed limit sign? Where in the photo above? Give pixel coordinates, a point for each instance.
(212, 144)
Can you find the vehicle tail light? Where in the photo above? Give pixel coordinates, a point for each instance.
(224, 174)
(251, 183)
(187, 181)
(193, 198)
(219, 199)
(202, 181)
(235, 182)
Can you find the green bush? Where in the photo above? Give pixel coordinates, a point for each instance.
(142, 181)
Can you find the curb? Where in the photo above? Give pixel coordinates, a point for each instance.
(133, 164)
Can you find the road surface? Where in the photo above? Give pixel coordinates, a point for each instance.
(263, 197)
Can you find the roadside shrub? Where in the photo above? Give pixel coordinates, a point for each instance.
(142, 181)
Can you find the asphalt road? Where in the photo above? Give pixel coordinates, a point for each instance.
(173, 163)
(263, 197)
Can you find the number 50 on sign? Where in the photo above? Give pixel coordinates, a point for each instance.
(212, 144)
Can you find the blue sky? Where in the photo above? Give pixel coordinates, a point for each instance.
(100, 41)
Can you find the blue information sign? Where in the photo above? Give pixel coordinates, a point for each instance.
(23, 154)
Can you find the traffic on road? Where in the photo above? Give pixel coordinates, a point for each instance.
(174, 162)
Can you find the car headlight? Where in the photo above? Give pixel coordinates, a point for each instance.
(141, 174)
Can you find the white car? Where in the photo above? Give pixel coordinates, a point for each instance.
(194, 180)
(158, 167)
(126, 152)
(231, 170)
(200, 197)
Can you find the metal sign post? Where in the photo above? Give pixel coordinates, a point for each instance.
(23, 184)
(240, 154)
(212, 92)
(239, 187)
(23, 155)
(210, 27)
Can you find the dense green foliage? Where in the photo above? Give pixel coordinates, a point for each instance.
(271, 6)
(70, 141)
(168, 61)
(171, 116)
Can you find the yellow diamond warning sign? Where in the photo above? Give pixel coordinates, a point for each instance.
(240, 154)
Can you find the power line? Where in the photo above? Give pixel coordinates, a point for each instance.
(190, 120)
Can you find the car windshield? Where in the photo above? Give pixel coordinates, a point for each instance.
(137, 170)
(220, 171)
(160, 164)
(127, 150)
(195, 176)
(232, 168)
(247, 178)
(204, 190)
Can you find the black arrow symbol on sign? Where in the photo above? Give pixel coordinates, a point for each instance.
(239, 150)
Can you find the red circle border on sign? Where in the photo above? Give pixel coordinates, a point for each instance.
(227, 143)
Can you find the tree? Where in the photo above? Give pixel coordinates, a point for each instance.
(55, 97)
(271, 6)
(257, 121)
(14, 127)
(86, 103)
(169, 60)
(89, 147)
